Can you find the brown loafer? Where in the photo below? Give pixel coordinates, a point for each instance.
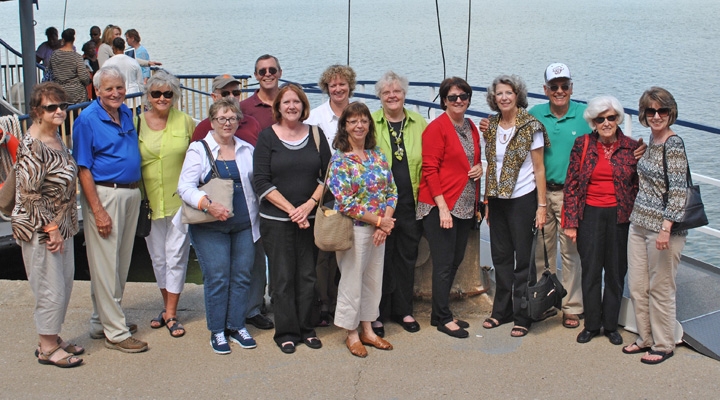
(357, 349)
(378, 342)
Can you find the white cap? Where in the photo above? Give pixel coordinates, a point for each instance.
(555, 71)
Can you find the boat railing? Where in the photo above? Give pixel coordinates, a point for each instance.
(11, 73)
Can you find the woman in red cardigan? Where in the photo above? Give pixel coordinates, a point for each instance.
(447, 197)
(598, 198)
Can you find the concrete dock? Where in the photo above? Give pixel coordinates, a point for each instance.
(546, 364)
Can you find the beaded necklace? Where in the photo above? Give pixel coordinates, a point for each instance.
(400, 152)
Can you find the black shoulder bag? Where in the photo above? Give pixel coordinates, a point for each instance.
(694, 215)
(145, 218)
(547, 293)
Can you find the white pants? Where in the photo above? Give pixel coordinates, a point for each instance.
(51, 279)
(169, 250)
(360, 287)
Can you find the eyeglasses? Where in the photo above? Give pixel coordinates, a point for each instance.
(355, 122)
(453, 97)
(226, 93)
(565, 87)
(663, 112)
(54, 107)
(155, 94)
(263, 71)
(396, 92)
(223, 120)
(600, 120)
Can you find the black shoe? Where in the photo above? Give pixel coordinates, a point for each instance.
(459, 322)
(260, 321)
(586, 335)
(288, 348)
(379, 330)
(614, 337)
(408, 326)
(459, 333)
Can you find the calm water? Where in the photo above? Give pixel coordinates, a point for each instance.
(612, 47)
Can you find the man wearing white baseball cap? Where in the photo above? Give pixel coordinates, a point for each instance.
(563, 120)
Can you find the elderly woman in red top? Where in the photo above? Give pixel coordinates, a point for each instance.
(448, 194)
(599, 193)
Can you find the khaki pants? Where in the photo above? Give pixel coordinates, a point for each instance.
(109, 258)
(571, 270)
(651, 280)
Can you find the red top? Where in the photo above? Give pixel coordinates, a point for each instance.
(444, 162)
(248, 130)
(601, 190)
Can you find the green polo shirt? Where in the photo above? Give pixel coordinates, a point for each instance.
(562, 133)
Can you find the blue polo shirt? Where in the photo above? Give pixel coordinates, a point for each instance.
(562, 133)
(109, 151)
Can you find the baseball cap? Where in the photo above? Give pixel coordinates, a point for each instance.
(223, 80)
(555, 71)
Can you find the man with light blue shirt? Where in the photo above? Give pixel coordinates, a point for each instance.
(105, 146)
(563, 121)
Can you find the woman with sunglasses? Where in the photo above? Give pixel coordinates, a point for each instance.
(164, 135)
(654, 248)
(290, 162)
(514, 196)
(598, 197)
(45, 220)
(448, 195)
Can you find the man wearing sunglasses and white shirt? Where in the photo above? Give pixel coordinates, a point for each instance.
(259, 105)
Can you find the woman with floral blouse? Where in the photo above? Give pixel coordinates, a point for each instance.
(362, 184)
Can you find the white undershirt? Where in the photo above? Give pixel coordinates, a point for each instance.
(526, 178)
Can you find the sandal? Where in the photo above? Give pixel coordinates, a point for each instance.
(663, 356)
(70, 348)
(159, 322)
(519, 331)
(571, 321)
(491, 323)
(66, 362)
(637, 349)
(177, 326)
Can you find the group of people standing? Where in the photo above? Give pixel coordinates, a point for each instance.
(396, 176)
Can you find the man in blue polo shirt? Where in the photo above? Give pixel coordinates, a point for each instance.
(563, 120)
(105, 146)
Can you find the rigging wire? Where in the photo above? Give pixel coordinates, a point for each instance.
(65, 14)
(442, 49)
(467, 53)
(348, 35)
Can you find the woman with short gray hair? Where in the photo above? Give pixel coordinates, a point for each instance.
(164, 135)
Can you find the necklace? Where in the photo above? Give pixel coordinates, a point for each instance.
(400, 152)
(608, 149)
(504, 138)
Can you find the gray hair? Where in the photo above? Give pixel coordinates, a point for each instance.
(389, 78)
(518, 86)
(601, 104)
(107, 72)
(158, 80)
(225, 103)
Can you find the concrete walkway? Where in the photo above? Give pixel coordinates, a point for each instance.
(546, 364)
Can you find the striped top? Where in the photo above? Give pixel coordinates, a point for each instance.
(69, 71)
(45, 192)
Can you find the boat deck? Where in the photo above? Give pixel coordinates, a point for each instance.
(547, 363)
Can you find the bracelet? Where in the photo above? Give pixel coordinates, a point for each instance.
(205, 210)
(662, 228)
(313, 199)
(542, 205)
(379, 221)
(50, 229)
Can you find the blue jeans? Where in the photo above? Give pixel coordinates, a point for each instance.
(226, 257)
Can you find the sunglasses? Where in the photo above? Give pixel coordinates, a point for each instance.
(263, 71)
(54, 107)
(453, 97)
(565, 87)
(663, 112)
(226, 93)
(155, 94)
(600, 120)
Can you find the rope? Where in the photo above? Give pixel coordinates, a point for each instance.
(11, 124)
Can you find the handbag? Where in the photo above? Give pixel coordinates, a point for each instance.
(694, 215)
(7, 193)
(216, 188)
(7, 173)
(333, 230)
(547, 293)
(145, 217)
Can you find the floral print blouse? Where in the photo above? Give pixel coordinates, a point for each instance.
(361, 187)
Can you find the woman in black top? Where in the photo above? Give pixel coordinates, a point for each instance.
(290, 161)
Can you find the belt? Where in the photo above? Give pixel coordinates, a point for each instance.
(133, 185)
(555, 186)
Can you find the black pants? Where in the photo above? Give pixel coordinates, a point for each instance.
(602, 245)
(291, 264)
(511, 236)
(401, 252)
(447, 250)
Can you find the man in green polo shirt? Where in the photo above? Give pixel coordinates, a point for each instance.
(563, 120)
